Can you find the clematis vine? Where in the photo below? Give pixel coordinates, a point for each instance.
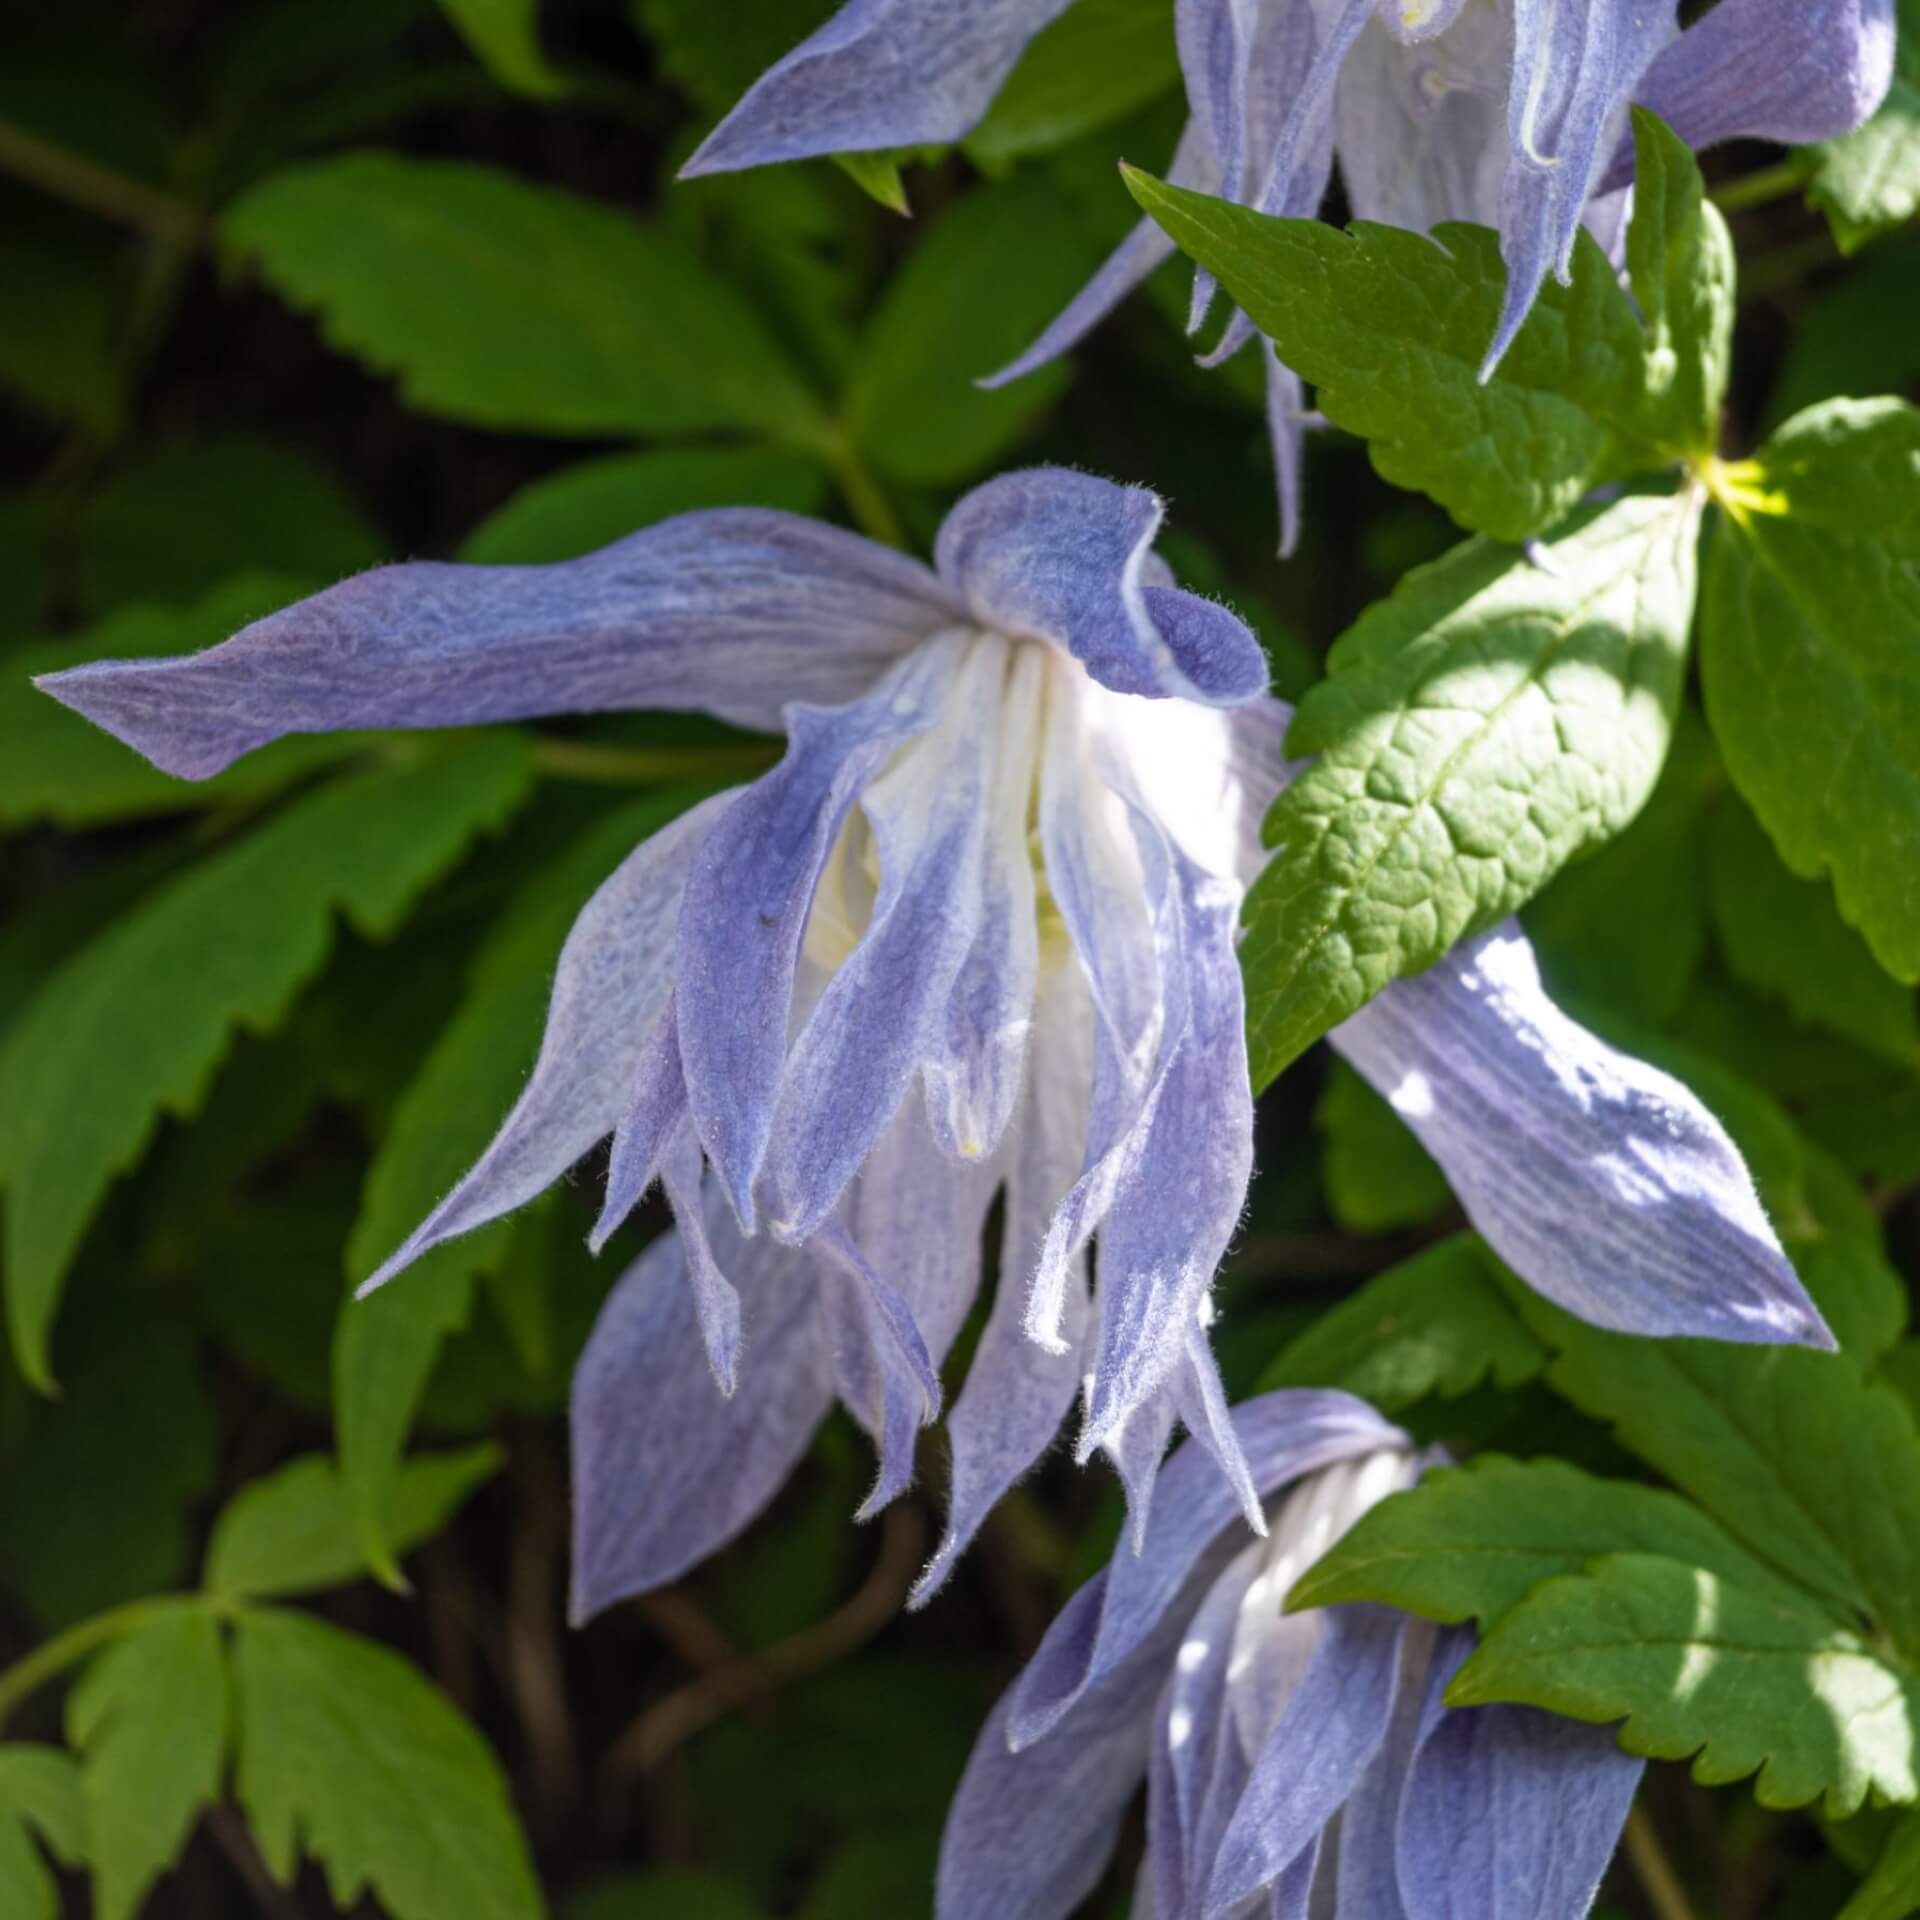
(1511, 113)
(1294, 1763)
(974, 933)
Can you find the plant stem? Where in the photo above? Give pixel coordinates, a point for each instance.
(1665, 1894)
(1756, 189)
(596, 764)
(872, 511)
(64, 1650)
(85, 183)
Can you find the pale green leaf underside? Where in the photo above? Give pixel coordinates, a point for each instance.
(1479, 728)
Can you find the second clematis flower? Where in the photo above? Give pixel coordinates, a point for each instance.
(1511, 113)
(1295, 1764)
(975, 931)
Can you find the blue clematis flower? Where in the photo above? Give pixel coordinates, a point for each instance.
(1294, 1763)
(975, 932)
(1511, 113)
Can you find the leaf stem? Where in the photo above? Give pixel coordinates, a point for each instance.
(1756, 189)
(85, 183)
(597, 764)
(68, 1649)
(872, 512)
(1665, 1894)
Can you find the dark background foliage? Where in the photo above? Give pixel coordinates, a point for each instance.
(229, 373)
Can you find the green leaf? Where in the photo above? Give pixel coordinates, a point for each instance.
(1376, 1174)
(178, 521)
(1810, 656)
(293, 1533)
(1681, 267)
(1392, 330)
(1698, 1666)
(385, 1346)
(1469, 1543)
(1852, 336)
(505, 38)
(516, 306)
(150, 1716)
(143, 1015)
(1812, 1467)
(1640, 963)
(56, 766)
(912, 406)
(346, 1753)
(1781, 935)
(875, 1873)
(1891, 1891)
(1436, 1324)
(596, 502)
(40, 1795)
(877, 175)
(1480, 727)
(1095, 64)
(96, 1503)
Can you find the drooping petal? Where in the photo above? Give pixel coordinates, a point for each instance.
(656, 1110)
(971, 1060)
(1508, 1812)
(735, 612)
(880, 73)
(1576, 65)
(716, 1302)
(1193, 1735)
(1029, 1833)
(614, 976)
(1786, 70)
(1017, 1391)
(881, 1014)
(1284, 1435)
(665, 1469)
(1603, 1182)
(1324, 1742)
(1095, 880)
(1369, 1879)
(1287, 438)
(1060, 556)
(872, 1342)
(1137, 1447)
(1130, 263)
(748, 897)
(1177, 1203)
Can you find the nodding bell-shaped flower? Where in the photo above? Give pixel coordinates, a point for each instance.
(1294, 1764)
(975, 932)
(1511, 113)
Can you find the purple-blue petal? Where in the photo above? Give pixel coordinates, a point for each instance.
(882, 1014)
(1284, 1435)
(1017, 1391)
(1325, 1740)
(614, 977)
(1029, 1833)
(1060, 556)
(1508, 1812)
(1575, 69)
(666, 1469)
(748, 898)
(656, 1110)
(735, 612)
(1788, 70)
(1537, 1123)
(880, 73)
